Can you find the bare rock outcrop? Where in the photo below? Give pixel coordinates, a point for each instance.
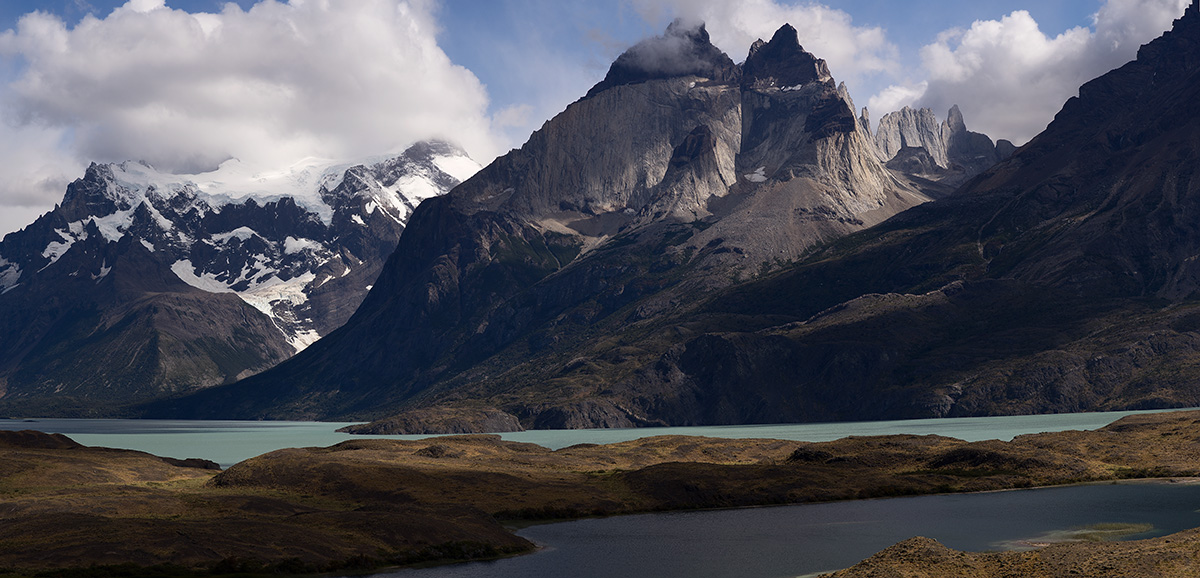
(957, 154)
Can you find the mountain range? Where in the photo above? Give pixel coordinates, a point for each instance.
(937, 157)
(142, 284)
(692, 242)
(537, 292)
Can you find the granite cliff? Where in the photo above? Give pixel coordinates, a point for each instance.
(1063, 279)
(675, 176)
(1060, 280)
(945, 154)
(707, 269)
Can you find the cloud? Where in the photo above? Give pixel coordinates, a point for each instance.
(33, 176)
(268, 85)
(852, 52)
(1010, 78)
(672, 54)
(518, 115)
(896, 97)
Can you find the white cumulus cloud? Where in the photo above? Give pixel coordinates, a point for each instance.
(896, 97)
(269, 85)
(1010, 78)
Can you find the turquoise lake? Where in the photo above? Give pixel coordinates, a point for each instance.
(229, 442)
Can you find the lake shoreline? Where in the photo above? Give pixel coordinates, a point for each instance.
(453, 492)
(230, 441)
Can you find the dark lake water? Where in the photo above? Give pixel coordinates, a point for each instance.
(793, 541)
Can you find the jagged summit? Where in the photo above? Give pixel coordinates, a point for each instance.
(672, 179)
(954, 120)
(782, 62)
(913, 142)
(1062, 279)
(684, 49)
(142, 283)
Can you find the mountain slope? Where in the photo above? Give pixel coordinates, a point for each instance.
(143, 284)
(1063, 279)
(675, 176)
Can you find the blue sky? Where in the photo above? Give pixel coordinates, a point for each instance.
(268, 82)
(486, 36)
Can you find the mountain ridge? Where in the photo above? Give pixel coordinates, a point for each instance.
(947, 154)
(236, 271)
(1059, 280)
(708, 181)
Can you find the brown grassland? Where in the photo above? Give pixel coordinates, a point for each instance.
(70, 510)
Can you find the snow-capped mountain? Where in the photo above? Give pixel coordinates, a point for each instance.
(302, 245)
(277, 240)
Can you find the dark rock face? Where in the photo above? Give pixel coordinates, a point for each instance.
(630, 206)
(914, 161)
(684, 50)
(650, 283)
(108, 323)
(143, 284)
(782, 62)
(198, 463)
(1060, 280)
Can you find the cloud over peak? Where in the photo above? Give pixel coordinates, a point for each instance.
(268, 85)
(853, 52)
(1010, 77)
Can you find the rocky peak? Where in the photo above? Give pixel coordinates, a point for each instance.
(430, 150)
(911, 128)
(91, 194)
(1178, 50)
(1191, 16)
(1173, 56)
(952, 154)
(685, 49)
(670, 180)
(273, 247)
(782, 62)
(954, 120)
(196, 280)
(864, 120)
